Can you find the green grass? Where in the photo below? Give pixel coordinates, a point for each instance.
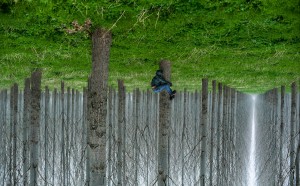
(250, 50)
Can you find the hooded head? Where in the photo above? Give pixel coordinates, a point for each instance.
(159, 73)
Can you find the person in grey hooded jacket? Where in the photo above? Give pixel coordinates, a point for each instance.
(159, 83)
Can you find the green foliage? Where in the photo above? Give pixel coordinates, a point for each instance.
(252, 45)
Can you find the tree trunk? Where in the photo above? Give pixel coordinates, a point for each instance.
(35, 125)
(47, 99)
(13, 133)
(282, 102)
(297, 165)
(97, 95)
(185, 115)
(204, 122)
(124, 144)
(164, 123)
(68, 141)
(26, 121)
(63, 149)
(219, 122)
(121, 124)
(213, 116)
(136, 128)
(110, 136)
(5, 98)
(292, 137)
(54, 103)
(84, 150)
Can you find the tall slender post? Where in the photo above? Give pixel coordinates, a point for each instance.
(54, 103)
(213, 118)
(63, 150)
(97, 96)
(35, 125)
(26, 121)
(204, 122)
(292, 138)
(121, 124)
(47, 100)
(164, 123)
(184, 123)
(219, 122)
(14, 120)
(282, 102)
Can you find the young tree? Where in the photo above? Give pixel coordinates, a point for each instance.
(97, 96)
(292, 137)
(164, 123)
(204, 122)
(282, 102)
(35, 125)
(213, 118)
(121, 125)
(26, 121)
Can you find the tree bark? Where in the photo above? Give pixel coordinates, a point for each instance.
(47, 100)
(136, 124)
(13, 132)
(184, 123)
(292, 137)
(5, 140)
(54, 103)
(213, 116)
(121, 124)
(204, 122)
(219, 122)
(282, 102)
(164, 123)
(97, 95)
(63, 149)
(26, 121)
(35, 125)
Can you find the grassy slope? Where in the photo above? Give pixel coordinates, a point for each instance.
(250, 50)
